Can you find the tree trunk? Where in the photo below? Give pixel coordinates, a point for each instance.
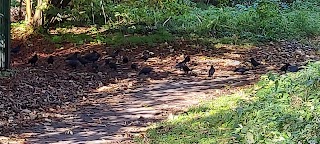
(28, 10)
(20, 10)
(37, 18)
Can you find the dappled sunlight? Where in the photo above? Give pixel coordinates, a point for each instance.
(105, 105)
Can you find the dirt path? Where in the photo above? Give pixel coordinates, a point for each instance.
(116, 118)
(59, 105)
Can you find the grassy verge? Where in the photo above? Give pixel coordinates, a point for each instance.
(278, 109)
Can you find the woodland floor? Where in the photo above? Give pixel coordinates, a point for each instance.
(56, 104)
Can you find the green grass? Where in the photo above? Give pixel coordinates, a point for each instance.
(278, 109)
(113, 39)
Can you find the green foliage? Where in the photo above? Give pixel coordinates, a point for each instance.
(113, 39)
(261, 20)
(120, 39)
(72, 38)
(279, 109)
(14, 3)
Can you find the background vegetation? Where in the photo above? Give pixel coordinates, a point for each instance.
(260, 20)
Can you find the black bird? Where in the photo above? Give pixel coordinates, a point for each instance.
(294, 68)
(115, 54)
(145, 56)
(134, 66)
(92, 57)
(113, 65)
(16, 49)
(50, 60)
(74, 63)
(240, 70)
(33, 60)
(180, 64)
(106, 61)
(125, 60)
(186, 69)
(83, 61)
(145, 70)
(285, 67)
(74, 56)
(254, 62)
(211, 71)
(186, 59)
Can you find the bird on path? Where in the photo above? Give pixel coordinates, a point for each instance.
(186, 59)
(50, 60)
(92, 57)
(294, 68)
(83, 61)
(125, 60)
(115, 53)
(186, 69)
(254, 62)
(74, 63)
(33, 60)
(74, 56)
(241, 70)
(145, 70)
(211, 71)
(180, 64)
(145, 57)
(285, 67)
(106, 61)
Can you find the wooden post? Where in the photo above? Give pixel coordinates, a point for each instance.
(5, 34)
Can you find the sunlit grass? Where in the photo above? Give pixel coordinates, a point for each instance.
(278, 109)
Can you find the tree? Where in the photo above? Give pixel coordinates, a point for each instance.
(41, 5)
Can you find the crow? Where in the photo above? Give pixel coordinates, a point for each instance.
(145, 70)
(294, 68)
(241, 70)
(186, 59)
(285, 67)
(115, 54)
(106, 61)
(92, 57)
(16, 49)
(254, 62)
(145, 56)
(113, 65)
(134, 66)
(83, 61)
(180, 64)
(33, 60)
(74, 63)
(125, 60)
(186, 69)
(211, 71)
(50, 60)
(74, 56)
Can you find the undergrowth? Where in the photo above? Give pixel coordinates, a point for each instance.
(262, 20)
(278, 109)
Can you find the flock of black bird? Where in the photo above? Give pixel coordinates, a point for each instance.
(76, 60)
